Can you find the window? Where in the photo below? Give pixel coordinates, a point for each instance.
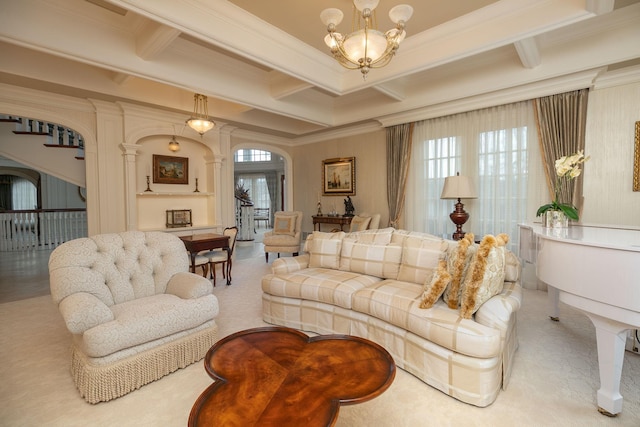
(497, 148)
(502, 180)
(17, 193)
(258, 190)
(252, 156)
(442, 160)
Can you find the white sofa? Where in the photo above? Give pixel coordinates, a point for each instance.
(134, 311)
(373, 284)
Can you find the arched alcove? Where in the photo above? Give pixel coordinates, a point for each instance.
(191, 189)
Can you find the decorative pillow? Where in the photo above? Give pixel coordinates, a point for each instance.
(458, 262)
(284, 224)
(485, 277)
(360, 223)
(324, 250)
(434, 288)
(420, 259)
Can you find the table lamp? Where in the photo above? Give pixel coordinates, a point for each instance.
(458, 187)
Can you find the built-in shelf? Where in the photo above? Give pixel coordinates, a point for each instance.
(162, 194)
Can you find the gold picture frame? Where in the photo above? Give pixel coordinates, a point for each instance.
(636, 160)
(170, 170)
(339, 177)
(179, 218)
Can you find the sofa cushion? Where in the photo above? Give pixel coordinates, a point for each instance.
(485, 276)
(318, 284)
(398, 303)
(147, 319)
(324, 249)
(374, 260)
(420, 259)
(458, 260)
(435, 287)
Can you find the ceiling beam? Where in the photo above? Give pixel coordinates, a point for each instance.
(153, 39)
(528, 52)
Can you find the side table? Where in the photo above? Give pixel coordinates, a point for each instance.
(326, 219)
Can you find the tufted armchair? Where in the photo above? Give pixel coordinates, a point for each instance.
(135, 312)
(286, 235)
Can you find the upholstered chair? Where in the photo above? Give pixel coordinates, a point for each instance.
(286, 235)
(221, 256)
(364, 221)
(202, 261)
(134, 310)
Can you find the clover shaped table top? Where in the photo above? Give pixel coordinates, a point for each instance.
(277, 376)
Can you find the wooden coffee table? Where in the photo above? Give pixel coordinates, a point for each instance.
(278, 376)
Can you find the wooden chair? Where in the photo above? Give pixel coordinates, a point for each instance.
(221, 257)
(261, 214)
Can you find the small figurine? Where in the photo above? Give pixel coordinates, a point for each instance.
(319, 209)
(348, 207)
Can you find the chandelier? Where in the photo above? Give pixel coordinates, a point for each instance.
(200, 120)
(365, 47)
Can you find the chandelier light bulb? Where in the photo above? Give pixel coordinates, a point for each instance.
(400, 13)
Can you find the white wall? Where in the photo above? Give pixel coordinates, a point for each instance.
(608, 177)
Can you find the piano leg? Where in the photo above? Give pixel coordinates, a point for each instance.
(553, 297)
(611, 337)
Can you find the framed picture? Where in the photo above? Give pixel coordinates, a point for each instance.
(339, 177)
(170, 170)
(179, 218)
(636, 160)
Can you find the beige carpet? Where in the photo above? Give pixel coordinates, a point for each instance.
(554, 379)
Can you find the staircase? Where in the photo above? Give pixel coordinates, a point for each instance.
(42, 228)
(57, 136)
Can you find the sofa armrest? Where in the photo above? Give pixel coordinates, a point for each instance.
(188, 285)
(498, 311)
(82, 311)
(290, 264)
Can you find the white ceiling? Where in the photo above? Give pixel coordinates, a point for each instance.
(267, 73)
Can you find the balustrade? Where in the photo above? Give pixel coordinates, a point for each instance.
(40, 228)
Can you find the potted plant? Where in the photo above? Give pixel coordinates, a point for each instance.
(556, 214)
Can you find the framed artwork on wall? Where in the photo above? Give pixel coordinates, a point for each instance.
(339, 177)
(636, 160)
(170, 170)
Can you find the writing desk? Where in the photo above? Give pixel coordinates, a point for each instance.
(206, 242)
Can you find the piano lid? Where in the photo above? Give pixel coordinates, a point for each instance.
(626, 239)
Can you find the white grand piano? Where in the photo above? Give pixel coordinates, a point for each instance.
(595, 269)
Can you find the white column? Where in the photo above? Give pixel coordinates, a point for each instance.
(130, 151)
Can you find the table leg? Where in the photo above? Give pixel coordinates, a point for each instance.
(193, 261)
(553, 298)
(228, 267)
(611, 338)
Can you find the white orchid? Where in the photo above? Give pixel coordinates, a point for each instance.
(566, 167)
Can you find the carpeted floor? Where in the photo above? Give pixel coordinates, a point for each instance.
(554, 381)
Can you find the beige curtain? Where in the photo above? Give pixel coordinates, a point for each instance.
(561, 120)
(398, 159)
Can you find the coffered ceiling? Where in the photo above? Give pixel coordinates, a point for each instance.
(267, 72)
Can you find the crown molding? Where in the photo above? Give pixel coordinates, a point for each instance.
(619, 77)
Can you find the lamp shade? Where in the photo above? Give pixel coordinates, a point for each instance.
(458, 187)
